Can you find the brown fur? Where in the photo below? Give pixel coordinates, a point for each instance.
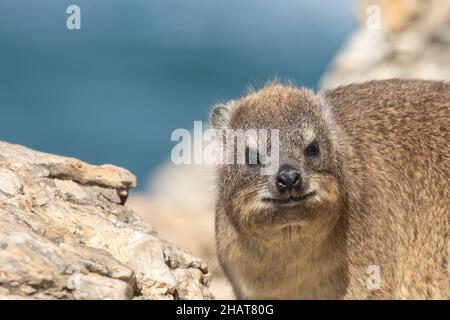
(383, 194)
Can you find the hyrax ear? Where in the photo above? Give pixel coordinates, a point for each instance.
(221, 115)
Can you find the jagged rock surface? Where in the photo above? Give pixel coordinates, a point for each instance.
(64, 234)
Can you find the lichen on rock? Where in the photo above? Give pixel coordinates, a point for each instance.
(65, 234)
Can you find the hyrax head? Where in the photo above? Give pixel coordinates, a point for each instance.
(290, 170)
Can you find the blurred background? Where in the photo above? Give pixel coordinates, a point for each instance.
(113, 91)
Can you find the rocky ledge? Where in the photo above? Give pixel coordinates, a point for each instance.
(65, 233)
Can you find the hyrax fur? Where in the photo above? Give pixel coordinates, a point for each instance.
(360, 205)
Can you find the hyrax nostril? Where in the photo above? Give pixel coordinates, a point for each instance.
(287, 179)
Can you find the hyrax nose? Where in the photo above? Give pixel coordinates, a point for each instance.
(287, 179)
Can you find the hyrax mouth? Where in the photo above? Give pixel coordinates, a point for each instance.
(291, 201)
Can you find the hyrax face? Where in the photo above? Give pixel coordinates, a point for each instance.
(304, 185)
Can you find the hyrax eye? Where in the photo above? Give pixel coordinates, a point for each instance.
(252, 157)
(312, 150)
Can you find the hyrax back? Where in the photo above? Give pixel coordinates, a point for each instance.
(360, 205)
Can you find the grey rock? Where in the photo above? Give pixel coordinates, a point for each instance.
(64, 234)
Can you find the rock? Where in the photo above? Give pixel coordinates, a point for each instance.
(399, 15)
(9, 182)
(168, 212)
(190, 203)
(64, 234)
(413, 42)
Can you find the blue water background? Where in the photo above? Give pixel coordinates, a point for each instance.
(114, 91)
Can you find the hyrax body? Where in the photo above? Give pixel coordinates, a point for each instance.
(360, 205)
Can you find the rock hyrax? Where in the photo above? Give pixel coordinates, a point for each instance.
(360, 205)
